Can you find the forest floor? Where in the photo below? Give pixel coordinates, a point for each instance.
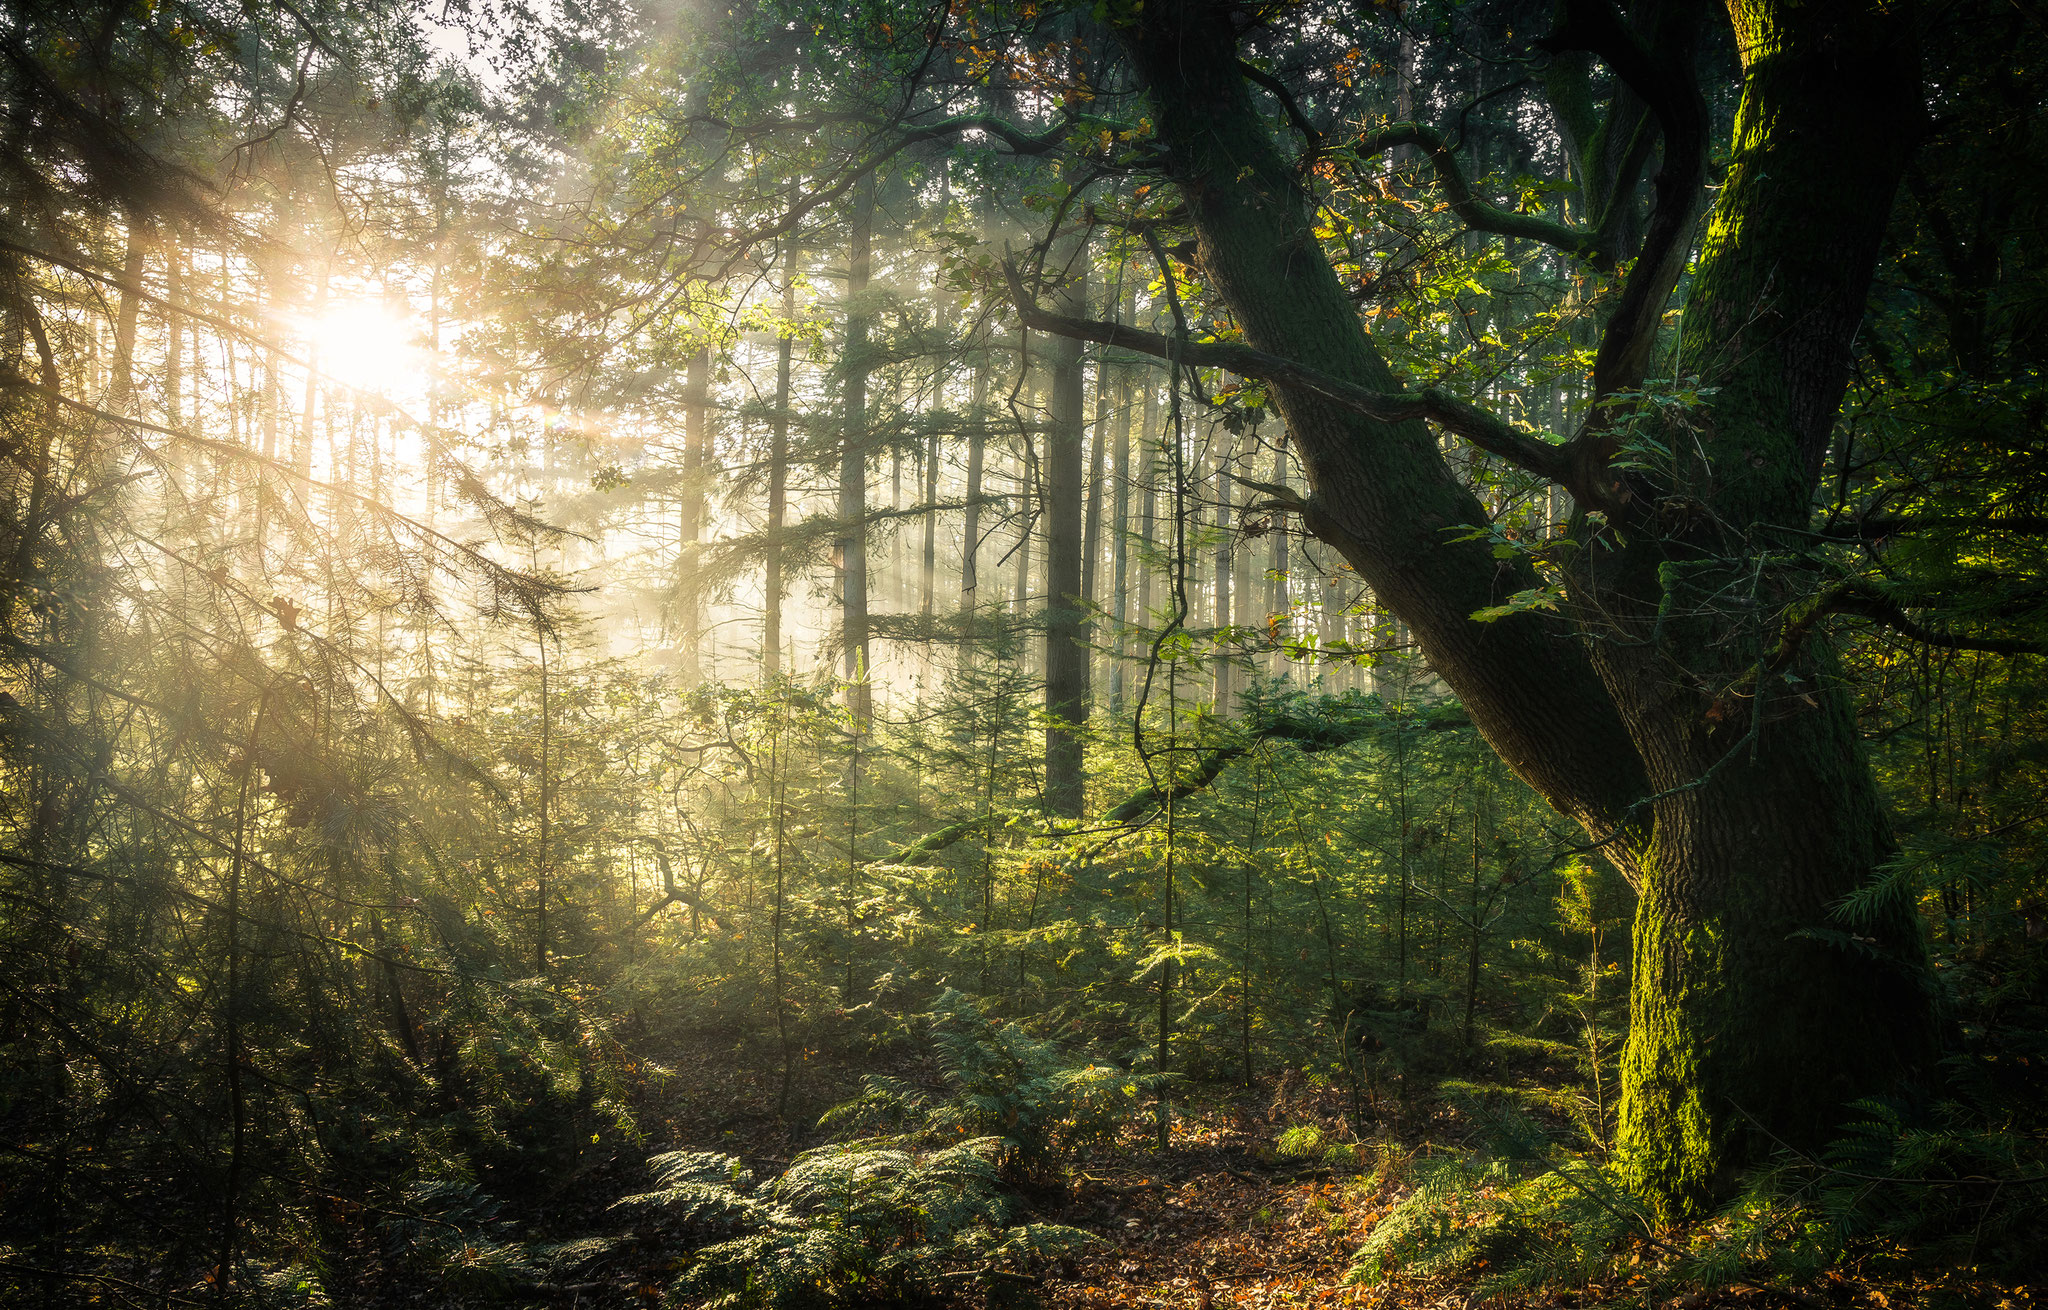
(1219, 1219)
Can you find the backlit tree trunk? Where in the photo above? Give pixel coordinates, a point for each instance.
(1066, 617)
(850, 546)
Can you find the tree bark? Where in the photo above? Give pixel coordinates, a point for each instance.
(977, 455)
(1751, 1006)
(1120, 548)
(688, 614)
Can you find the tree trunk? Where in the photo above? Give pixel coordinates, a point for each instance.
(1225, 661)
(302, 449)
(1751, 1006)
(772, 584)
(1098, 451)
(977, 454)
(1066, 620)
(1148, 506)
(1120, 549)
(850, 549)
(688, 614)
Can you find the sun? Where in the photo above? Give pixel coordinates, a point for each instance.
(367, 344)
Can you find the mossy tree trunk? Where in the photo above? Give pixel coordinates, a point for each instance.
(1755, 1005)
(1722, 774)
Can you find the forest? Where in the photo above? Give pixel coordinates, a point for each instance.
(1023, 653)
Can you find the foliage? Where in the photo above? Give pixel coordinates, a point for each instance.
(1002, 1084)
(1953, 1191)
(852, 1224)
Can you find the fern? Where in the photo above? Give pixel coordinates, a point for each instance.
(844, 1224)
(1516, 1218)
(1003, 1083)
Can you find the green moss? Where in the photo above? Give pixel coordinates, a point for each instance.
(1670, 1144)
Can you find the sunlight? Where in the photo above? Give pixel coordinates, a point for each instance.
(365, 344)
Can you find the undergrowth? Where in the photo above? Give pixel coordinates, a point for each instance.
(1954, 1191)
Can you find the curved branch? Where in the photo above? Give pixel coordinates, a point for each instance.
(1663, 77)
(670, 893)
(1483, 215)
(1309, 132)
(1482, 428)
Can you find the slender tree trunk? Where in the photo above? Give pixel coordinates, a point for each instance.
(1066, 624)
(928, 562)
(688, 610)
(1474, 923)
(1028, 511)
(778, 475)
(850, 549)
(1244, 974)
(1226, 663)
(231, 1025)
(1279, 605)
(546, 842)
(1148, 506)
(779, 775)
(302, 449)
(121, 379)
(174, 342)
(977, 454)
(1098, 442)
(1120, 547)
(898, 579)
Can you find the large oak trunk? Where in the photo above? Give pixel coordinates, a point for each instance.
(1758, 1009)
(1756, 1012)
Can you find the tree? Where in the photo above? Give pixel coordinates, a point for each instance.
(850, 546)
(1707, 749)
(1066, 627)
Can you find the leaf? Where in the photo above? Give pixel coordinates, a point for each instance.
(1522, 602)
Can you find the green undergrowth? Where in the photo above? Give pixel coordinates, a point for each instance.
(1043, 1108)
(1949, 1202)
(848, 1224)
(921, 1201)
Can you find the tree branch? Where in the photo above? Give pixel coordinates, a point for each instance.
(1483, 215)
(1664, 78)
(1865, 600)
(1483, 429)
(1871, 529)
(1309, 132)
